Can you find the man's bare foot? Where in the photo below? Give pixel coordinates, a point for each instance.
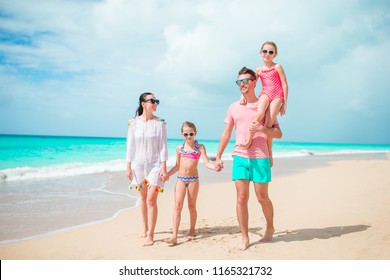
(268, 235)
(148, 242)
(190, 235)
(171, 242)
(242, 246)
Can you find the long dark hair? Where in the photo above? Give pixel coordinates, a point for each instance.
(140, 109)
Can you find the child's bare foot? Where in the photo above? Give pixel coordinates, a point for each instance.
(242, 246)
(148, 242)
(144, 234)
(269, 232)
(171, 242)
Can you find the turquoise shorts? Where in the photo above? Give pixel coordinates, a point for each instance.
(257, 170)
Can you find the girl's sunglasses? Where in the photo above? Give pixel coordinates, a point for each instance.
(267, 51)
(185, 134)
(153, 101)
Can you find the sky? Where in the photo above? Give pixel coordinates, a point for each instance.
(77, 68)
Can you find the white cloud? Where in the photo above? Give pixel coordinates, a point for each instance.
(103, 54)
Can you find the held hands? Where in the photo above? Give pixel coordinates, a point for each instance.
(217, 168)
(218, 165)
(164, 176)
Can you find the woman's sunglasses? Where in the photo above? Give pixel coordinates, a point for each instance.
(153, 101)
(244, 81)
(185, 134)
(267, 51)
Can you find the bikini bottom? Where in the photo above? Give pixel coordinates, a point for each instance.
(187, 180)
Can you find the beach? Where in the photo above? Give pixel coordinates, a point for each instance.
(326, 208)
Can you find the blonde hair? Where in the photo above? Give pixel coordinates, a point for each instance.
(189, 124)
(270, 43)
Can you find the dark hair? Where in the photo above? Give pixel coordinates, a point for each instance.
(140, 109)
(245, 70)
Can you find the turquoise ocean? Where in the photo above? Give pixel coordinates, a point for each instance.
(46, 179)
(38, 157)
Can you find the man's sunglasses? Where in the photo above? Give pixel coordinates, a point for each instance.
(267, 51)
(244, 81)
(185, 134)
(153, 101)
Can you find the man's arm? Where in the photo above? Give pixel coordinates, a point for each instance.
(223, 142)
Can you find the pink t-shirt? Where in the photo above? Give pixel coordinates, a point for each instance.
(242, 117)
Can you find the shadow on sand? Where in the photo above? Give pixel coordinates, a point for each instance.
(280, 236)
(319, 233)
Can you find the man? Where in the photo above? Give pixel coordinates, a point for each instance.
(249, 164)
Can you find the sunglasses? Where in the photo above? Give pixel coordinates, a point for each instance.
(185, 134)
(153, 101)
(244, 81)
(267, 51)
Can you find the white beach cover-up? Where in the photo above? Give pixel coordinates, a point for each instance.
(146, 150)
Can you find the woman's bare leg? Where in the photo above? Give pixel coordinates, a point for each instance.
(152, 214)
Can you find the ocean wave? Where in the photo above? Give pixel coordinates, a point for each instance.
(305, 153)
(61, 170)
(70, 169)
(75, 169)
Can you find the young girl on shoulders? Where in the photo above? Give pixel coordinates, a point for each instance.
(274, 93)
(187, 159)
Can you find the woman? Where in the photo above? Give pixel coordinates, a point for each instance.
(146, 158)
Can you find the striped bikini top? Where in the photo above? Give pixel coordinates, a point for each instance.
(192, 155)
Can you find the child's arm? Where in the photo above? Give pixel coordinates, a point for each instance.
(242, 100)
(283, 79)
(258, 69)
(206, 160)
(175, 168)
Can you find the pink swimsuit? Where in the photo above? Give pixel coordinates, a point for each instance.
(271, 84)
